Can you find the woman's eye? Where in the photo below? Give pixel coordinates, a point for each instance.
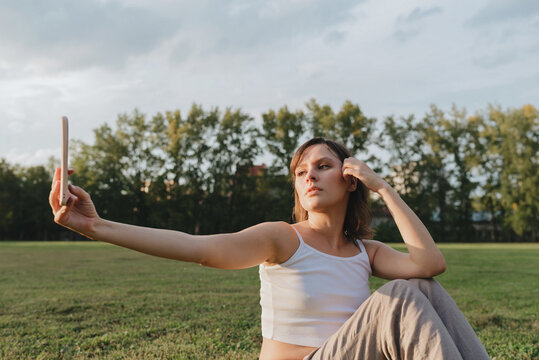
(321, 166)
(300, 173)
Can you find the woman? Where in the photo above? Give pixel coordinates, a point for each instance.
(315, 296)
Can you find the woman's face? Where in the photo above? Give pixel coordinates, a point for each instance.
(319, 180)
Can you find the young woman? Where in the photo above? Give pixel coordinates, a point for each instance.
(315, 297)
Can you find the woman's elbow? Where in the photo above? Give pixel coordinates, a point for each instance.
(438, 267)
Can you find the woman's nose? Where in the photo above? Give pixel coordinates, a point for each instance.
(310, 176)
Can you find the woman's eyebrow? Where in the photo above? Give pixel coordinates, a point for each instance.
(317, 161)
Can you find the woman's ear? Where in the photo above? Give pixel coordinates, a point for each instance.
(353, 184)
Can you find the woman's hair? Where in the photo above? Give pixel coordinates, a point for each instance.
(358, 215)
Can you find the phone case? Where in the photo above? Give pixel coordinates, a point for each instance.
(63, 176)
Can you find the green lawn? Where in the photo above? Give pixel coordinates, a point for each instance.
(93, 300)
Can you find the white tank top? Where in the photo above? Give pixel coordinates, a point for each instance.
(308, 297)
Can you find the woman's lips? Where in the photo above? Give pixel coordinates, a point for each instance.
(313, 190)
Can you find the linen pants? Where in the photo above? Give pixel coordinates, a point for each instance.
(405, 319)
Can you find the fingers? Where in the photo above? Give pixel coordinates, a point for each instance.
(59, 216)
(79, 192)
(58, 210)
(53, 196)
(55, 177)
(54, 199)
(57, 173)
(70, 203)
(347, 171)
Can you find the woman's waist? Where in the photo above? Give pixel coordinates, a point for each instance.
(278, 350)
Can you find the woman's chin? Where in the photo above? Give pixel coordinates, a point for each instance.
(315, 206)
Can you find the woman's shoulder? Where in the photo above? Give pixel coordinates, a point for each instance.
(285, 239)
(371, 247)
(276, 226)
(278, 231)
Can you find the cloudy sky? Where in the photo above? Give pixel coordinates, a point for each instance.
(93, 59)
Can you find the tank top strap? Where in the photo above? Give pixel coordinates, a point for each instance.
(299, 235)
(362, 247)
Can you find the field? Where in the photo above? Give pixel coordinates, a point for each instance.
(92, 300)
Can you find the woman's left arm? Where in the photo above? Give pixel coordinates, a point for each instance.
(423, 259)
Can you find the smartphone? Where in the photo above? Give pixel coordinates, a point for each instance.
(63, 176)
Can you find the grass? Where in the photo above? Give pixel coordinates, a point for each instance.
(93, 300)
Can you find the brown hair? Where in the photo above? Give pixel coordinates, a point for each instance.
(358, 215)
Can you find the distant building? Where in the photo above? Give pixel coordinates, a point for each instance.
(253, 170)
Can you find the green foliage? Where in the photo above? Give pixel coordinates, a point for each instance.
(449, 165)
(282, 131)
(453, 145)
(512, 165)
(23, 205)
(197, 172)
(349, 126)
(9, 190)
(405, 145)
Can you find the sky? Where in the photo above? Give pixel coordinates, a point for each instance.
(92, 60)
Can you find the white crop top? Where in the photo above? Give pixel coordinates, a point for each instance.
(308, 297)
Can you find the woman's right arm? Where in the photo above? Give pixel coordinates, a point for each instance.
(239, 250)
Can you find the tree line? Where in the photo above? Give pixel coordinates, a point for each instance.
(468, 177)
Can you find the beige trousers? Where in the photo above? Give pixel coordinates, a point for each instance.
(405, 319)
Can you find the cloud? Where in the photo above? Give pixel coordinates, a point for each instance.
(495, 60)
(165, 54)
(335, 37)
(15, 126)
(502, 10)
(504, 33)
(68, 34)
(31, 158)
(240, 27)
(311, 70)
(402, 36)
(411, 25)
(63, 34)
(418, 14)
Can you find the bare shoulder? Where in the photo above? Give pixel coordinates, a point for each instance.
(372, 247)
(280, 233)
(284, 239)
(274, 230)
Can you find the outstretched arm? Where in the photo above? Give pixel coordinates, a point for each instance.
(243, 249)
(423, 259)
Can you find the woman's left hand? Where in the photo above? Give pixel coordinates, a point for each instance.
(358, 169)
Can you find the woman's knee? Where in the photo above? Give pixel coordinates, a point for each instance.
(400, 287)
(428, 286)
(424, 283)
(396, 282)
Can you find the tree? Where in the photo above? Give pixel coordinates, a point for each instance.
(34, 218)
(187, 148)
(349, 126)
(434, 170)
(281, 132)
(9, 198)
(119, 166)
(236, 147)
(404, 142)
(512, 139)
(458, 138)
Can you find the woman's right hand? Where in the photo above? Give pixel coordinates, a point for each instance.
(79, 214)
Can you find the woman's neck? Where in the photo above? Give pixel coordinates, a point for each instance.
(329, 227)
